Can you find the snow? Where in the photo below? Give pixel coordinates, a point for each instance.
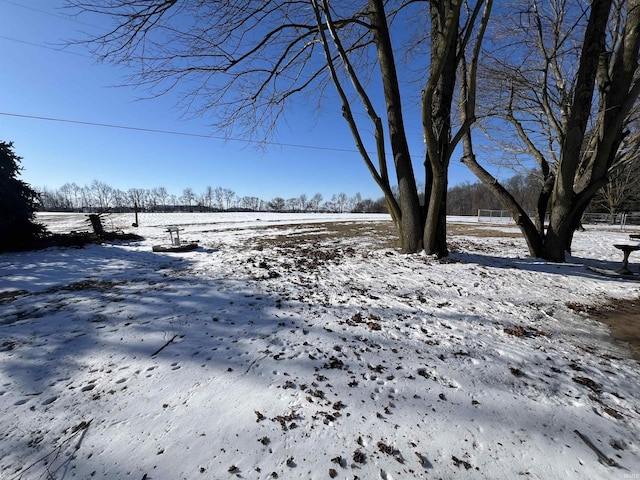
(294, 351)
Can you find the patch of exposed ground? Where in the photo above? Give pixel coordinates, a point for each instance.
(474, 230)
(622, 317)
(378, 234)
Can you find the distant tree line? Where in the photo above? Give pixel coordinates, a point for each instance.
(100, 197)
(468, 198)
(621, 194)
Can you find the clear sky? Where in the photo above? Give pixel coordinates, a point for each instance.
(314, 152)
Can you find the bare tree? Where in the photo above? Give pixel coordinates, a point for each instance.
(49, 199)
(201, 201)
(208, 197)
(173, 200)
(103, 195)
(292, 204)
(219, 196)
(71, 192)
(229, 196)
(622, 191)
(248, 60)
(121, 200)
(277, 204)
(250, 203)
(315, 202)
(86, 198)
(452, 28)
(468, 198)
(64, 194)
(161, 194)
(304, 203)
(137, 197)
(189, 196)
(353, 201)
(340, 200)
(564, 76)
(330, 205)
(364, 206)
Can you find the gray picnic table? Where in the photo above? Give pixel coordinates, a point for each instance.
(627, 249)
(171, 229)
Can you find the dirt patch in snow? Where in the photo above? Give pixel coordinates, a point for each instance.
(623, 318)
(379, 234)
(480, 231)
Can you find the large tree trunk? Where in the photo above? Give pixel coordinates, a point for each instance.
(410, 223)
(579, 179)
(584, 157)
(437, 100)
(435, 228)
(563, 201)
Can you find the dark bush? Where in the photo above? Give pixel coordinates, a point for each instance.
(18, 204)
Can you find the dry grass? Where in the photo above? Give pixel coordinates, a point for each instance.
(380, 234)
(377, 234)
(465, 229)
(622, 317)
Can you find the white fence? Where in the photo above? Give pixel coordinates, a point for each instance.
(622, 219)
(630, 218)
(494, 216)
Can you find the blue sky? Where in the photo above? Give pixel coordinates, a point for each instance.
(38, 79)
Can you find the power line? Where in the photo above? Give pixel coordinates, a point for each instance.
(48, 47)
(44, 46)
(64, 17)
(148, 130)
(185, 134)
(173, 132)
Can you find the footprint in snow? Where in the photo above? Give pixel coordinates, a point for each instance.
(385, 476)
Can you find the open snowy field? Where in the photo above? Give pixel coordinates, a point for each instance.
(306, 347)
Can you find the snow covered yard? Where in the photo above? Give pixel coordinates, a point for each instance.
(306, 347)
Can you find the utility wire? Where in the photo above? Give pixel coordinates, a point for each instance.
(173, 132)
(149, 130)
(44, 46)
(70, 18)
(184, 134)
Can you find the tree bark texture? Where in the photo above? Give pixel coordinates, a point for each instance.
(565, 208)
(437, 101)
(410, 221)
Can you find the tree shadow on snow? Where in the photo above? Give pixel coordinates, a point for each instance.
(110, 329)
(575, 266)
